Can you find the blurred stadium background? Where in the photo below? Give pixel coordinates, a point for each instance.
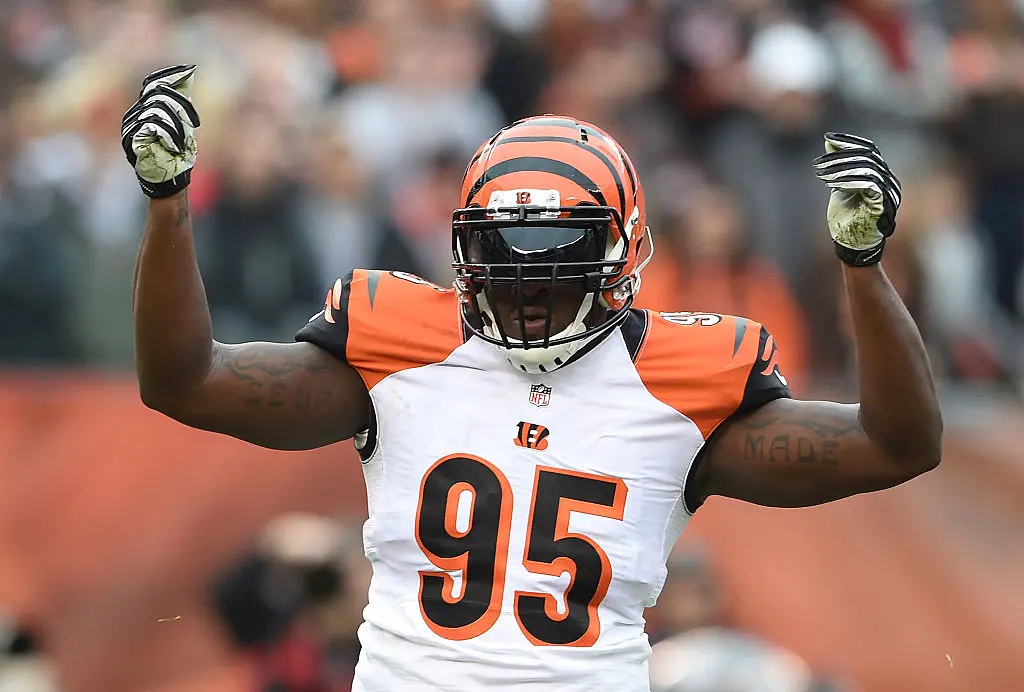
(133, 550)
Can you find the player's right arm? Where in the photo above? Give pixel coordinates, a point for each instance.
(282, 396)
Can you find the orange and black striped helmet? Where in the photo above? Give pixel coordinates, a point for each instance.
(550, 199)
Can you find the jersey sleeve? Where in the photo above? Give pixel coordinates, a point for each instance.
(709, 367)
(765, 382)
(383, 322)
(328, 328)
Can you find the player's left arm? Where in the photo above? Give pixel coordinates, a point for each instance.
(790, 453)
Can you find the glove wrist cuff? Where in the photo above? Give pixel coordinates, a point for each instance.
(166, 188)
(859, 258)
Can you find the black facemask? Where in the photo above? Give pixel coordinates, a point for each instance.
(507, 251)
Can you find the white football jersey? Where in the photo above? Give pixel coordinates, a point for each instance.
(519, 524)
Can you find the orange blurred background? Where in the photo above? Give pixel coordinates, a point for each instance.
(114, 519)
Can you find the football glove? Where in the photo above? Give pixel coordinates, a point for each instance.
(158, 132)
(864, 199)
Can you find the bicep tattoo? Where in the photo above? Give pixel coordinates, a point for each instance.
(276, 376)
(794, 437)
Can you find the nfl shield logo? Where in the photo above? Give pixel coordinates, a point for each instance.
(540, 395)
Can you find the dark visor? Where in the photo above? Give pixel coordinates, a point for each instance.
(536, 244)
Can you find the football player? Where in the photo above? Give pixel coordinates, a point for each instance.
(532, 446)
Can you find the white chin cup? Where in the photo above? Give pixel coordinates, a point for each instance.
(540, 360)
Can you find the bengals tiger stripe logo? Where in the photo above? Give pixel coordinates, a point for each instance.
(333, 301)
(770, 356)
(532, 436)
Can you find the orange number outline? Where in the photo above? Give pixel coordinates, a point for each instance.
(461, 562)
(566, 506)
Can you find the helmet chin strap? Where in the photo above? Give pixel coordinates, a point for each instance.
(535, 361)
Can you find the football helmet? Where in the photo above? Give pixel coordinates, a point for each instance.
(547, 203)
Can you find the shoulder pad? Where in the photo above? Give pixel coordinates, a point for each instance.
(383, 322)
(709, 366)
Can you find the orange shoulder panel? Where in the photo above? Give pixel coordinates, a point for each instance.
(398, 321)
(699, 363)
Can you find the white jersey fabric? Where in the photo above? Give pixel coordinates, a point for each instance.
(519, 525)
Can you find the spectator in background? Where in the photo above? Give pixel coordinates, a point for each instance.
(294, 604)
(973, 338)
(515, 61)
(988, 63)
(419, 233)
(704, 263)
(891, 73)
(517, 68)
(705, 46)
(427, 99)
(695, 650)
(610, 72)
(309, 18)
(691, 598)
(517, 16)
(260, 273)
(338, 210)
(245, 56)
(23, 666)
(763, 153)
(353, 101)
(112, 214)
(42, 239)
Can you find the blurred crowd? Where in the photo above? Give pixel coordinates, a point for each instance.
(335, 134)
(294, 603)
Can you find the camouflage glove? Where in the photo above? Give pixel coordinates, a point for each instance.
(158, 132)
(864, 200)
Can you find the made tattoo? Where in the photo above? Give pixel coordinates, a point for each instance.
(806, 441)
(796, 449)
